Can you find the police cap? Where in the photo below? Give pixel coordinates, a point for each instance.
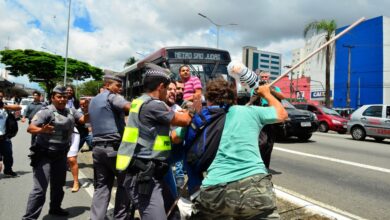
(60, 90)
(155, 71)
(116, 78)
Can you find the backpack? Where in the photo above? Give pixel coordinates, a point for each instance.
(11, 125)
(203, 137)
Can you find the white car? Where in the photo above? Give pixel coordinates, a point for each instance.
(370, 120)
(24, 103)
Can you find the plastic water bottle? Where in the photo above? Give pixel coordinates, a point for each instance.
(243, 74)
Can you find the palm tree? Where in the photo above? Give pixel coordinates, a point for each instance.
(329, 28)
(130, 61)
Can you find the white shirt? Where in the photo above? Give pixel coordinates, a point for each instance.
(3, 117)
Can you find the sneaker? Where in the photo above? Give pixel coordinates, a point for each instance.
(59, 212)
(10, 173)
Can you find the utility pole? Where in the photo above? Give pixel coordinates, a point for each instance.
(349, 75)
(67, 44)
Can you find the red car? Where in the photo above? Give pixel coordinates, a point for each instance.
(328, 118)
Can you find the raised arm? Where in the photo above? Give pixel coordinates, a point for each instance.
(265, 92)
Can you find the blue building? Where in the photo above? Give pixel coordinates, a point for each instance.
(369, 45)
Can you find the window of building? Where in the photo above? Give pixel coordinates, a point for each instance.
(373, 111)
(274, 73)
(275, 57)
(264, 55)
(275, 67)
(264, 66)
(264, 61)
(276, 62)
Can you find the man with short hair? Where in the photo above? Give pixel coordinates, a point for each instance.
(32, 109)
(192, 85)
(146, 145)
(53, 126)
(107, 117)
(179, 92)
(5, 142)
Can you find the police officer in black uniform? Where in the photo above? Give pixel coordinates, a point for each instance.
(53, 126)
(146, 145)
(107, 111)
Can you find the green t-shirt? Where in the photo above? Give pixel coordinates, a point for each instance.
(238, 155)
(263, 101)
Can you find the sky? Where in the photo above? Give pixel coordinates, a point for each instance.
(106, 33)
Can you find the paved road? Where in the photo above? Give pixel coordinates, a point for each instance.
(14, 191)
(333, 169)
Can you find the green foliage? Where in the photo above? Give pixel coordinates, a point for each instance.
(90, 88)
(45, 68)
(130, 61)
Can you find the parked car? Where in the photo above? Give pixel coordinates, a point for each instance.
(328, 119)
(17, 114)
(372, 121)
(345, 112)
(300, 123)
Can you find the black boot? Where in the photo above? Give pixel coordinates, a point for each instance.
(59, 212)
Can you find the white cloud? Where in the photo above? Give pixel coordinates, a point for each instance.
(123, 28)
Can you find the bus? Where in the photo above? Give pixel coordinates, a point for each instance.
(205, 63)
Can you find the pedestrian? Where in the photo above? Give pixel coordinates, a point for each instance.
(192, 84)
(179, 92)
(237, 184)
(53, 126)
(267, 134)
(5, 141)
(32, 109)
(73, 102)
(146, 145)
(107, 117)
(85, 130)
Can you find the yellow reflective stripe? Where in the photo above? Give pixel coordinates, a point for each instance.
(162, 143)
(122, 161)
(135, 105)
(130, 135)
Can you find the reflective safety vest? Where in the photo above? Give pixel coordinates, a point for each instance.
(148, 143)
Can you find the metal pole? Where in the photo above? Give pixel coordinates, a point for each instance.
(358, 92)
(217, 35)
(349, 75)
(67, 44)
(319, 49)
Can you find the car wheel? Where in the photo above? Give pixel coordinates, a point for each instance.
(323, 127)
(304, 137)
(379, 139)
(358, 133)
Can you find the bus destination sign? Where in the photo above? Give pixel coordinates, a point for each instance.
(196, 55)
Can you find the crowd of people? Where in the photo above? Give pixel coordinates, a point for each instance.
(154, 148)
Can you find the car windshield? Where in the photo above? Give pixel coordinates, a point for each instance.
(329, 111)
(286, 104)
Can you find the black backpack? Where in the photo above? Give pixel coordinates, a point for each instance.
(11, 125)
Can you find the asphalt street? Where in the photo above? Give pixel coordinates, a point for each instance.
(352, 176)
(14, 191)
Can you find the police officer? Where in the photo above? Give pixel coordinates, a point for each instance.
(107, 111)
(53, 126)
(146, 145)
(32, 109)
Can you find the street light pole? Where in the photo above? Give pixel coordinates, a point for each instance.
(349, 75)
(218, 26)
(67, 44)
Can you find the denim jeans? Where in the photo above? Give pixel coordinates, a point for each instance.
(6, 152)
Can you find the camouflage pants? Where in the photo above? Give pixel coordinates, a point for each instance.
(249, 198)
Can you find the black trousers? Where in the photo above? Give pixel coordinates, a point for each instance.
(266, 143)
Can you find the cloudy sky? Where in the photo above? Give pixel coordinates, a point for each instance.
(106, 33)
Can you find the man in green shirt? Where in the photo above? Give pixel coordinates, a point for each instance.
(237, 184)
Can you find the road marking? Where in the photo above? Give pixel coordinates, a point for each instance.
(380, 169)
(312, 205)
(88, 186)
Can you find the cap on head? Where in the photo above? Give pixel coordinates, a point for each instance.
(156, 71)
(111, 77)
(60, 90)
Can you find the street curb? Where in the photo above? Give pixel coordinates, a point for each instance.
(313, 206)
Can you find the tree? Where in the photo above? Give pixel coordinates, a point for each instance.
(45, 68)
(130, 61)
(90, 88)
(329, 28)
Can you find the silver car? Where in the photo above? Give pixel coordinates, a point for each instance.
(370, 120)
